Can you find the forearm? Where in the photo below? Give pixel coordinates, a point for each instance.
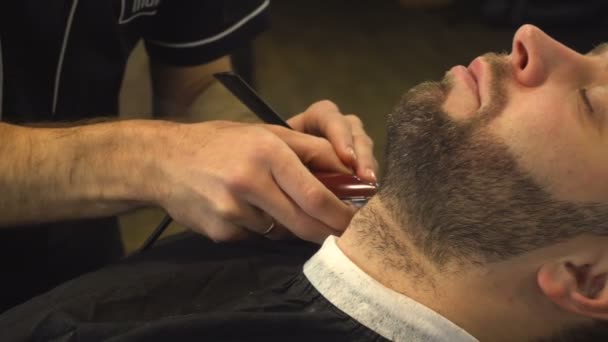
(78, 172)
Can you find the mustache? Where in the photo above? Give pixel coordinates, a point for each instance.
(429, 96)
(499, 73)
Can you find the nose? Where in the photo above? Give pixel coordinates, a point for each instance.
(535, 56)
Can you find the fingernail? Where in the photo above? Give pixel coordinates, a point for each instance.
(352, 152)
(372, 175)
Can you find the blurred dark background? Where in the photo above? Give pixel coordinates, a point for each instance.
(364, 54)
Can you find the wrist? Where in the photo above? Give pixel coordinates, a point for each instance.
(150, 150)
(113, 162)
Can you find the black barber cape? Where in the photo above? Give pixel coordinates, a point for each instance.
(190, 289)
(63, 60)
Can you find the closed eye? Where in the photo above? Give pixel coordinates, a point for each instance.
(596, 117)
(585, 99)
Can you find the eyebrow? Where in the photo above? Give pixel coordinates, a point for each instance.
(598, 50)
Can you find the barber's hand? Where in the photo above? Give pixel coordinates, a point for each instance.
(229, 180)
(345, 132)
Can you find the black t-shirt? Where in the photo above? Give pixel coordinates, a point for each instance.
(190, 289)
(63, 60)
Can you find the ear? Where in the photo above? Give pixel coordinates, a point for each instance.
(578, 285)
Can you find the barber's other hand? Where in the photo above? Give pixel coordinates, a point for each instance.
(230, 180)
(345, 132)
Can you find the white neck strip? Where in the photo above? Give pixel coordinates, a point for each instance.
(388, 313)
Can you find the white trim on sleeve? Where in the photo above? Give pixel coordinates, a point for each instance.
(66, 36)
(217, 36)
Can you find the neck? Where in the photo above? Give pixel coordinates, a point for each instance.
(487, 302)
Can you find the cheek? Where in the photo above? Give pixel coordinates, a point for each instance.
(555, 151)
(534, 138)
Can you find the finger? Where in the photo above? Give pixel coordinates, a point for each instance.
(262, 195)
(300, 224)
(255, 221)
(252, 219)
(220, 230)
(230, 219)
(324, 119)
(303, 123)
(287, 214)
(263, 223)
(309, 193)
(239, 213)
(367, 166)
(279, 232)
(317, 153)
(291, 207)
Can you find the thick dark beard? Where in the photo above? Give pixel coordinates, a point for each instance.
(459, 190)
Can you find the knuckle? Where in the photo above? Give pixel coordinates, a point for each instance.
(354, 120)
(219, 235)
(260, 134)
(326, 105)
(365, 139)
(322, 145)
(265, 142)
(319, 148)
(240, 181)
(315, 200)
(262, 146)
(227, 211)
